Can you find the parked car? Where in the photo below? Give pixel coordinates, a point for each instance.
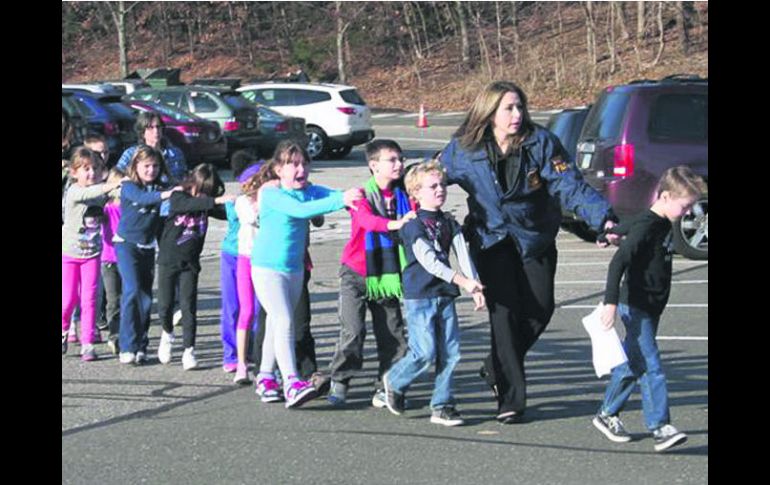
(77, 120)
(276, 127)
(98, 88)
(336, 117)
(633, 133)
(127, 86)
(237, 118)
(200, 140)
(106, 115)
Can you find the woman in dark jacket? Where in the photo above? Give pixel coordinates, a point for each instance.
(518, 178)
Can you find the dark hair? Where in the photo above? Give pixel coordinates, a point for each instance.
(240, 161)
(478, 122)
(205, 179)
(143, 120)
(374, 147)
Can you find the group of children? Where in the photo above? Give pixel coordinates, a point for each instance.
(398, 251)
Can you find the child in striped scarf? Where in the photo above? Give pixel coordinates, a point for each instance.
(370, 273)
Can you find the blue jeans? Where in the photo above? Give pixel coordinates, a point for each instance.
(434, 333)
(136, 267)
(643, 365)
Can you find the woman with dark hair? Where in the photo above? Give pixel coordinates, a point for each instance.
(149, 130)
(518, 178)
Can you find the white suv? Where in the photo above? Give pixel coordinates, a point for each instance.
(336, 117)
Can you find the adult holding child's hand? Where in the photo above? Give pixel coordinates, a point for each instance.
(518, 178)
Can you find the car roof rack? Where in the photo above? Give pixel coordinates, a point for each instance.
(219, 82)
(689, 78)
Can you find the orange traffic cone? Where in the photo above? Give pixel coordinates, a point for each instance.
(422, 121)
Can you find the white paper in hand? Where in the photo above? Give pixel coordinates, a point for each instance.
(605, 344)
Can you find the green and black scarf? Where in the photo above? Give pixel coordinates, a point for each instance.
(385, 257)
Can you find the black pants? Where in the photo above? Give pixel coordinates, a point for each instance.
(304, 343)
(185, 276)
(520, 300)
(112, 289)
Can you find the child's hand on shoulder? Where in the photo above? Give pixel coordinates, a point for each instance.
(165, 195)
(399, 223)
(222, 199)
(352, 195)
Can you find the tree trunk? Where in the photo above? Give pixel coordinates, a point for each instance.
(499, 41)
(340, 42)
(681, 21)
(516, 38)
(118, 12)
(409, 27)
(611, 35)
(426, 44)
(483, 50)
(590, 38)
(464, 44)
(233, 30)
(662, 38)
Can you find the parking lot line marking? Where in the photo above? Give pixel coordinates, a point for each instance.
(697, 339)
(601, 282)
(604, 263)
(670, 305)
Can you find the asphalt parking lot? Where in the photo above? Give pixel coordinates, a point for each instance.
(160, 424)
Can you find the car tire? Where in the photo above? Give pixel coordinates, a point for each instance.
(340, 152)
(317, 143)
(691, 232)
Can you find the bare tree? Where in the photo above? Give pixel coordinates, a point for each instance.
(590, 38)
(516, 38)
(499, 41)
(118, 11)
(342, 27)
(662, 38)
(681, 22)
(464, 44)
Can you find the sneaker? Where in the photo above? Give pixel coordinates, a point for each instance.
(337, 393)
(667, 436)
(102, 325)
(112, 344)
(448, 416)
(97, 338)
(63, 343)
(127, 357)
(141, 358)
(72, 336)
(188, 359)
(229, 368)
(510, 417)
(241, 375)
(164, 347)
(177, 318)
(88, 353)
(379, 400)
(269, 390)
(612, 427)
(321, 382)
(298, 393)
(393, 400)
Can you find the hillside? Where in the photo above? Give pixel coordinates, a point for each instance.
(390, 65)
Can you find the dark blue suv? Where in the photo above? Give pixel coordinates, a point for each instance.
(633, 133)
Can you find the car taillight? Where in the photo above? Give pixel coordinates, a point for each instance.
(624, 161)
(111, 128)
(348, 111)
(232, 125)
(191, 131)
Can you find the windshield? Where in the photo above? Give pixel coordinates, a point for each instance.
(605, 119)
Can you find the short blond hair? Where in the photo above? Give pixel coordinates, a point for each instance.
(413, 179)
(681, 181)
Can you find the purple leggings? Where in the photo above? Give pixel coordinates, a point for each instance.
(79, 281)
(249, 304)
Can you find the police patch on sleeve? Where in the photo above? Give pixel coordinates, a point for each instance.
(559, 165)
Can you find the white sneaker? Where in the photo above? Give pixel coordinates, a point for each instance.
(127, 357)
(164, 347)
(177, 317)
(141, 358)
(188, 359)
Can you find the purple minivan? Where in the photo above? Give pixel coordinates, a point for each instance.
(633, 133)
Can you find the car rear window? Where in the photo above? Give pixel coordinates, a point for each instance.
(236, 101)
(303, 97)
(120, 110)
(679, 117)
(176, 114)
(604, 120)
(351, 96)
